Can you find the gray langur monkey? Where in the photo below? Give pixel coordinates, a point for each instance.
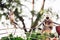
(48, 25)
(12, 18)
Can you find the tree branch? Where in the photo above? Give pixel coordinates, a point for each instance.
(38, 17)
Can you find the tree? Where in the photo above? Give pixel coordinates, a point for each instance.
(9, 4)
(39, 15)
(17, 5)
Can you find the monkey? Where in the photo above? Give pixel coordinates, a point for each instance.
(11, 18)
(48, 25)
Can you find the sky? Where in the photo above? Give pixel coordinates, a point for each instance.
(54, 4)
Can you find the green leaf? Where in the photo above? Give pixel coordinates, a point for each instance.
(10, 35)
(0, 16)
(52, 35)
(0, 1)
(9, 1)
(57, 16)
(32, 12)
(4, 38)
(17, 1)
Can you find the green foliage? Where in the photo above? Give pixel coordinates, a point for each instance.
(39, 36)
(57, 16)
(17, 15)
(36, 36)
(9, 1)
(0, 16)
(17, 1)
(39, 16)
(11, 37)
(52, 35)
(6, 16)
(33, 12)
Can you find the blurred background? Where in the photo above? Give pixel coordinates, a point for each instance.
(27, 13)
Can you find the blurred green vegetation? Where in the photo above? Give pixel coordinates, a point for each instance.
(38, 36)
(30, 36)
(11, 37)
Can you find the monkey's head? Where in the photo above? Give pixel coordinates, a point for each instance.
(47, 17)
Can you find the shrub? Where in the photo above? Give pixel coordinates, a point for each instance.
(11, 37)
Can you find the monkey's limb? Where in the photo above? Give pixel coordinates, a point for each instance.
(15, 25)
(14, 31)
(55, 23)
